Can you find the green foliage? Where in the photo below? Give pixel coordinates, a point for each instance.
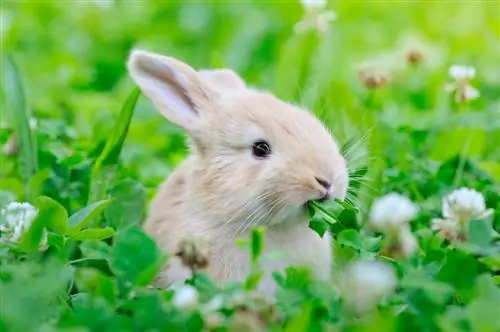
(103, 169)
(84, 263)
(20, 116)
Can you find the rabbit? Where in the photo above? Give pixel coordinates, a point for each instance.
(254, 160)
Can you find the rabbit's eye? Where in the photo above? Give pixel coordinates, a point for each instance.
(261, 149)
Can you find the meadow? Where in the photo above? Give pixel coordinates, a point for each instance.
(410, 89)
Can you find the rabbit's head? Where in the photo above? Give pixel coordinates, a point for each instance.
(256, 159)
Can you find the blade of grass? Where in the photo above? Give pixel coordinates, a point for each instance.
(104, 167)
(20, 114)
(329, 217)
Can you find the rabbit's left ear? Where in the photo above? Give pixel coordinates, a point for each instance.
(222, 79)
(175, 88)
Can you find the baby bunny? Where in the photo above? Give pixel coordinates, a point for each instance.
(255, 161)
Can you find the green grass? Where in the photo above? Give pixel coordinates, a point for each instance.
(99, 150)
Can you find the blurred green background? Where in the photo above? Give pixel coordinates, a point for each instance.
(72, 57)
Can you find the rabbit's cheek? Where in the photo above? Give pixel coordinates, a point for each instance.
(289, 215)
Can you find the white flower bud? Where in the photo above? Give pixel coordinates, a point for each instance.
(391, 212)
(366, 283)
(15, 219)
(462, 88)
(314, 4)
(316, 16)
(469, 93)
(185, 297)
(465, 204)
(459, 72)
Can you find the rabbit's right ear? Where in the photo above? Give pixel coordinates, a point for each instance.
(173, 87)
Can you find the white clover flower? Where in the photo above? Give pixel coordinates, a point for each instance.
(464, 91)
(465, 204)
(373, 73)
(415, 50)
(316, 16)
(459, 72)
(314, 4)
(459, 208)
(469, 93)
(391, 212)
(185, 297)
(366, 283)
(16, 218)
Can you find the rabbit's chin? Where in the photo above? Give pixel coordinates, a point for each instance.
(289, 216)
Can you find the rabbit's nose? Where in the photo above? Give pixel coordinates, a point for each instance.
(326, 195)
(325, 184)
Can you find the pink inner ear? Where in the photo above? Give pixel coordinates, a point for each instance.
(170, 80)
(183, 94)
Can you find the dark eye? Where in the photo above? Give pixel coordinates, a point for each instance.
(261, 149)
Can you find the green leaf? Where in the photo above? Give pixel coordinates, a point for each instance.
(51, 215)
(31, 289)
(496, 280)
(311, 211)
(493, 261)
(318, 225)
(257, 243)
(90, 280)
(352, 238)
(54, 214)
(459, 270)
(93, 234)
(36, 182)
(480, 234)
(253, 279)
(133, 254)
(205, 286)
(55, 240)
(484, 310)
(148, 313)
(95, 249)
(346, 205)
(20, 114)
(129, 204)
(30, 241)
(301, 321)
(103, 170)
(328, 216)
(417, 280)
(83, 217)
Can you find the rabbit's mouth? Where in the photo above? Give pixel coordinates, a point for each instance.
(326, 197)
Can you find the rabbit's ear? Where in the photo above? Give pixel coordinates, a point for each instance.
(222, 79)
(173, 87)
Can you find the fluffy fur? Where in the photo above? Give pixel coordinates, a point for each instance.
(221, 190)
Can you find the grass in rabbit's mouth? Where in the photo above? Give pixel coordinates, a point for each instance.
(321, 219)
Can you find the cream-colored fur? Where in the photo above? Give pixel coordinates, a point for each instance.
(221, 190)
